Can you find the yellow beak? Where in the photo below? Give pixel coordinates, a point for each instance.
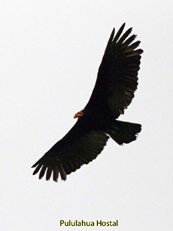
(78, 114)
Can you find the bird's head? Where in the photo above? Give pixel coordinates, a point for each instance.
(78, 114)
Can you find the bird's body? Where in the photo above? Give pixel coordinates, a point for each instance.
(114, 89)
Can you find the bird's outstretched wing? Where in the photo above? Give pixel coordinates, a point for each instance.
(117, 75)
(79, 146)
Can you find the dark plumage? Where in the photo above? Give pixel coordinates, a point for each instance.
(113, 92)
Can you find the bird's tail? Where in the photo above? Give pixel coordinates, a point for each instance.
(124, 132)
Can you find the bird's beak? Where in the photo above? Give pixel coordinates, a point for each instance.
(78, 114)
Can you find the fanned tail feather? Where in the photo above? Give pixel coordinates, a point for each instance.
(124, 132)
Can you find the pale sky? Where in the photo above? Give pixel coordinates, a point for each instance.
(49, 56)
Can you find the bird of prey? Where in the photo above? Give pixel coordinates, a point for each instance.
(113, 91)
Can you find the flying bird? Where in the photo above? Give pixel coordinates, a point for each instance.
(113, 91)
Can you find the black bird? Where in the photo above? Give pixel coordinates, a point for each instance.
(113, 92)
